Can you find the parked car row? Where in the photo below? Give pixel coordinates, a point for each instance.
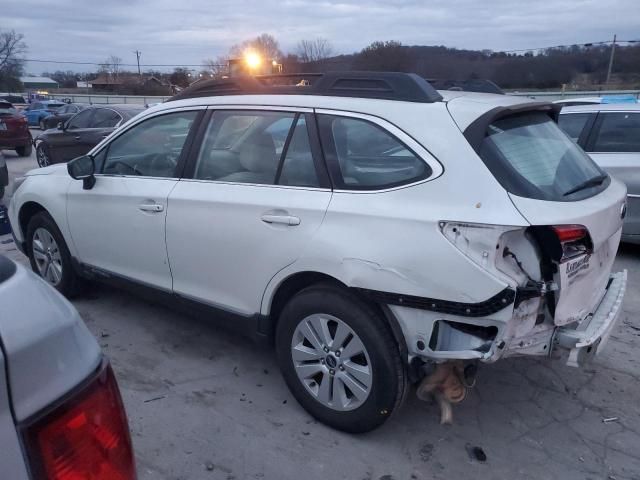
(320, 217)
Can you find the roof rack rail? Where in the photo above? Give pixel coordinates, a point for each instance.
(407, 87)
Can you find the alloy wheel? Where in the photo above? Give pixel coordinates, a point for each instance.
(42, 157)
(46, 254)
(332, 362)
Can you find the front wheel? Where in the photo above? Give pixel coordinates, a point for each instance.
(43, 125)
(42, 155)
(49, 254)
(339, 359)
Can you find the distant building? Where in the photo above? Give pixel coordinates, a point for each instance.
(127, 81)
(38, 83)
(83, 84)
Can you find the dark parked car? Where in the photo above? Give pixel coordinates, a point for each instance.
(18, 101)
(81, 132)
(14, 131)
(63, 114)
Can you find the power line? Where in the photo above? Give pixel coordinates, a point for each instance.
(213, 65)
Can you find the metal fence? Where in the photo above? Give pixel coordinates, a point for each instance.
(147, 100)
(551, 96)
(111, 99)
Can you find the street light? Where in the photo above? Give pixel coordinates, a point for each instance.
(253, 60)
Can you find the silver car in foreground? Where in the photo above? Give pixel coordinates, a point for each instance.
(610, 134)
(61, 415)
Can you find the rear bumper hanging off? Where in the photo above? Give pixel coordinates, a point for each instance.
(589, 337)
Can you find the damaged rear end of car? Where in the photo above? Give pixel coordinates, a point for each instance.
(561, 292)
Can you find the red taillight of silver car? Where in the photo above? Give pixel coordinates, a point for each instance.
(84, 437)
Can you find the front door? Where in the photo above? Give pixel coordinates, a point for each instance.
(256, 197)
(119, 225)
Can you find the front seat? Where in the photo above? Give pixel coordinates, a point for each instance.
(259, 159)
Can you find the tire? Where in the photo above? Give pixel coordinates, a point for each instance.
(1, 192)
(25, 150)
(378, 395)
(42, 155)
(56, 255)
(43, 125)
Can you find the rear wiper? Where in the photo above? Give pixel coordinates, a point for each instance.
(592, 182)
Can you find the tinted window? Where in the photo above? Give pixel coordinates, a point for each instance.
(13, 98)
(105, 118)
(151, 148)
(7, 109)
(366, 155)
(243, 147)
(573, 124)
(531, 157)
(618, 132)
(81, 120)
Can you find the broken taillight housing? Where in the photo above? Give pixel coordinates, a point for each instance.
(564, 242)
(86, 437)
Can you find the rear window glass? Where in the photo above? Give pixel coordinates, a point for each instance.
(364, 156)
(618, 132)
(531, 157)
(7, 109)
(573, 124)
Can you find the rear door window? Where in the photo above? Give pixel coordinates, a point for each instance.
(573, 124)
(364, 156)
(617, 132)
(531, 157)
(105, 118)
(81, 120)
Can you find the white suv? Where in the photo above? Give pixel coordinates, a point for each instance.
(364, 221)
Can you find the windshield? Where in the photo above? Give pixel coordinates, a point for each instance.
(531, 157)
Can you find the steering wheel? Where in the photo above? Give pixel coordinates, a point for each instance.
(130, 167)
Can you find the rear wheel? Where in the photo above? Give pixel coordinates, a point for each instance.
(42, 155)
(25, 150)
(49, 254)
(339, 359)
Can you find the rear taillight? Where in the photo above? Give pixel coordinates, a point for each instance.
(574, 241)
(85, 437)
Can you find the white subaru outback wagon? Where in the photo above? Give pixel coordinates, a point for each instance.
(365, 222)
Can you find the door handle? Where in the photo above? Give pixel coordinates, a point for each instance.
(151, 207)
(289, 220)
(77, 137)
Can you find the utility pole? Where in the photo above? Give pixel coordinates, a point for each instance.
(138, 53)
(613, 50)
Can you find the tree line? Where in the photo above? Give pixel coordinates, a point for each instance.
(577, 66)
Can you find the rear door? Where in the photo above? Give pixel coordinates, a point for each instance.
(614, 144)
(552, 182)
(255, 194)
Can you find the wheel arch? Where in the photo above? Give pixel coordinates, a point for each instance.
(289, 286)
(26, 213)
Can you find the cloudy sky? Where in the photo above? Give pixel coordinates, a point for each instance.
(180, 32)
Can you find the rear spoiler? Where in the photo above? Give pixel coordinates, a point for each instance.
(477, 130)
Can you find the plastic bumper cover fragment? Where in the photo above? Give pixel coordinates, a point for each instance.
(589, 337)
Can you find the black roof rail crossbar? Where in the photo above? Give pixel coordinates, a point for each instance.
(407, 87)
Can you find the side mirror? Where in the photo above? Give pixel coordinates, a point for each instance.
(83, 168)
(60, 125)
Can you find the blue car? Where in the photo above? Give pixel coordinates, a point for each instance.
(37, 111)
